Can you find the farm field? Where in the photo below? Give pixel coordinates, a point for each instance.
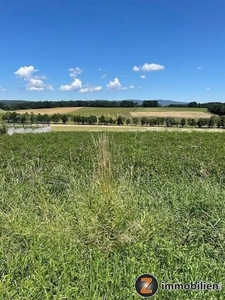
(128, 112)
(50, 111)
(72, 127)
(174, 114)
(82, 214)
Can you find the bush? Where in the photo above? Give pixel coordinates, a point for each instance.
(3, 129)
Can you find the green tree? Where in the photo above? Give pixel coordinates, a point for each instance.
(102, 120)
(211, 121)
(135, 120)
(144, 121)
(170, 122)
(92, 120)
(119, 120)
(55, 118)
(183, 122)
(191, 122)
(128, 121)
(64, 119)
(200, 123)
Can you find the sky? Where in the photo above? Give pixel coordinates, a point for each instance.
(97, 49)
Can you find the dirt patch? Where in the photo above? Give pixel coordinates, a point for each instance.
(173, 114)
(50, 111)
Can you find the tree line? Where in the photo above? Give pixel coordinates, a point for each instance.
(78, 103)
(16, 118)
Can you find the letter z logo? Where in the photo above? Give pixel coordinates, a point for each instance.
(146, 285)
(147, 281)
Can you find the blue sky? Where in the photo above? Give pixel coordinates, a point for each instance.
(130, 49)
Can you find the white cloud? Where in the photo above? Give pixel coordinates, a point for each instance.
(34, 83)
(75, 72)
(103, 76)
(143, 76)
(136, 69)
(34, 88)
(25, 72)
(149, 67)
(75, 85)
(90, 89)
(2, 89)
(116, 85)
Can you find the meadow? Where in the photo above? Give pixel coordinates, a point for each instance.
(84, 214)
(127, 112)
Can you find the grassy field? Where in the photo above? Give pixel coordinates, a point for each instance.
(129, 112)
(83, 215)
(50, 111)
(177, 112)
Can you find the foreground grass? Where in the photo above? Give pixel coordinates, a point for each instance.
(83, 215)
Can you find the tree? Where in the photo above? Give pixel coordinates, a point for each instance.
(55, 118)
(32, 117)
(64, 119)
(119, 120)
(191, 122)
(46, 118)
(183, 122)
(143, 121)
(24, 118)
(150, 103)
(192, 104)
(211, 121)
(135, 121)
(200, 123)
(101, 120)
(92, 120)
(128, 121)
(170, 122)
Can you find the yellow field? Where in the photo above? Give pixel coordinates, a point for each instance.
(174, 114)
(49, 111)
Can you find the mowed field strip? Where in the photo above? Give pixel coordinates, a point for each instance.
(174, 114)
(49, 111)
(114, 128)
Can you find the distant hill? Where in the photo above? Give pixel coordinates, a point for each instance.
(169, 102)
(161, 102)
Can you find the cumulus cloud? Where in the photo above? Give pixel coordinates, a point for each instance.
(34, 83)
(75, 72)
(148, 67)
(25, 72)
(143, 76)
(75, 85)
(90, 89)
(116, 85)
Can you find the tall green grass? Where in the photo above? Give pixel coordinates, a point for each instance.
(82, 216)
